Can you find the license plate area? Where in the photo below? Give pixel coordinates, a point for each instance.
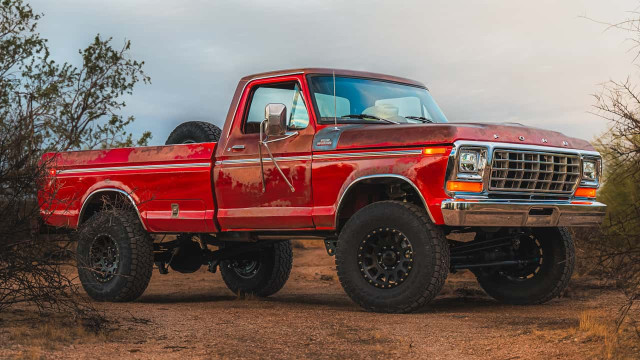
(541, 216)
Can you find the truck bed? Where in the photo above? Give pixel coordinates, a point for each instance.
(157, 179)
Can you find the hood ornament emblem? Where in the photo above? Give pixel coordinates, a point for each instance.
(495, 136)
(521, 138)
(565, 143)
(544, 140)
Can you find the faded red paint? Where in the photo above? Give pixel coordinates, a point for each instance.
(228, 196)
(153, 190)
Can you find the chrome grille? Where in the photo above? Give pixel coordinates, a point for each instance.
(533, 171)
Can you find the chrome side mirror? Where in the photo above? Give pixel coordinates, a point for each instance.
(274, 124)
(276, 116)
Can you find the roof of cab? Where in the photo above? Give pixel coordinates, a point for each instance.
(338, 72)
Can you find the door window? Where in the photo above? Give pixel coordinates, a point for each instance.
(288, 94)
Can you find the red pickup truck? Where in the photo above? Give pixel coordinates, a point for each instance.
(367, 163)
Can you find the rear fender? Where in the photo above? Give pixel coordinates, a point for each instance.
(93, 195)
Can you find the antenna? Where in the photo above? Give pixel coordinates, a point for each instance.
(335, 106)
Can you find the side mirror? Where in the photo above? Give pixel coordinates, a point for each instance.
(274, 124)
(276, 116)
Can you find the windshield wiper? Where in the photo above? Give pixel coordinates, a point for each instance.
(363, 116)
(419, 118)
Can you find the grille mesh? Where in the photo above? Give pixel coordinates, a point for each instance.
(531, 171)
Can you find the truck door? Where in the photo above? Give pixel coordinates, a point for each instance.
(243, 204)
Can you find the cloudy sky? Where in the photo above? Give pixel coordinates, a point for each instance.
(536, 63)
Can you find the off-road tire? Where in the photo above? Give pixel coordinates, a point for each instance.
(430, 265)
(275, 263)
(194, 132)
(135, 256)
(549, 282)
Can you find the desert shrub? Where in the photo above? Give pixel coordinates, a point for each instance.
(50, 107)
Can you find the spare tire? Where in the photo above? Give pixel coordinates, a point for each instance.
(194, 132)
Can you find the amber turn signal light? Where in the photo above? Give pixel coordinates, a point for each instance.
(464, 186)
(585, 192)
(434, 150)
(52, 172)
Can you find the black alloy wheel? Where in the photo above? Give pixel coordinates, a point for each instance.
(385, 257)
(262, 273)
(114, 256)
(391, 258)
(245, 268)
(104, 255)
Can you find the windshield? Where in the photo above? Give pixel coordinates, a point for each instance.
(368, 100)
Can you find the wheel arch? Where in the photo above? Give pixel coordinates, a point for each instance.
(93, 203)
(379, 181)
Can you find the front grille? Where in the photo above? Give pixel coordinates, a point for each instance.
(532, 171)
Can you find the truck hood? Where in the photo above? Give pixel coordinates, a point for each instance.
(359, 136)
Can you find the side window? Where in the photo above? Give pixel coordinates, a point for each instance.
(286, 93)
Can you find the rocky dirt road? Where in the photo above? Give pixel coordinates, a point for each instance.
(195, 316)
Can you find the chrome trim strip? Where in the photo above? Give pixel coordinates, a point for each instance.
(518, 213)
(500, 145)
(84, 204)
(323, 156)
(424, 202)
(135, 167)
(367, 154)
(257, 160)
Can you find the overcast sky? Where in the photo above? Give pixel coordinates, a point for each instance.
(536, 63)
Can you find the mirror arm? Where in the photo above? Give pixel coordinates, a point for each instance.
(264, 185)
(265, 142)
(286, 136)
(278, 167)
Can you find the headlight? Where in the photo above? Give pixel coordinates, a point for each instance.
(472, 160)
(590, 170)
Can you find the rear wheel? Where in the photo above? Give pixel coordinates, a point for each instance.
(391, 258)
(539, 281)
(194, 132)
(114, 256)
(261, 273)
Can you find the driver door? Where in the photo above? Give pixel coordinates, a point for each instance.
(243, 204)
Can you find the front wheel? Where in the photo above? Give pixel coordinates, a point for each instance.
(262, 273)
(391, 258)
(540, 281)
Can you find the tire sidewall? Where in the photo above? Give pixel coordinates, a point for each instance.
(275, 268)
(393, 216)
(244, 285)
(103, 224)
(194, 132)
(554, 274)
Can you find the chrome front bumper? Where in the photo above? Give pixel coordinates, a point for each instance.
(514, 213)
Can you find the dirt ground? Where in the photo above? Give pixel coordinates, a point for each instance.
(184, 316)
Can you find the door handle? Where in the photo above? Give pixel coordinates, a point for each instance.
(237, 148)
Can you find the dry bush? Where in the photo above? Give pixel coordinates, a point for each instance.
(49, 107)
(613, 250)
